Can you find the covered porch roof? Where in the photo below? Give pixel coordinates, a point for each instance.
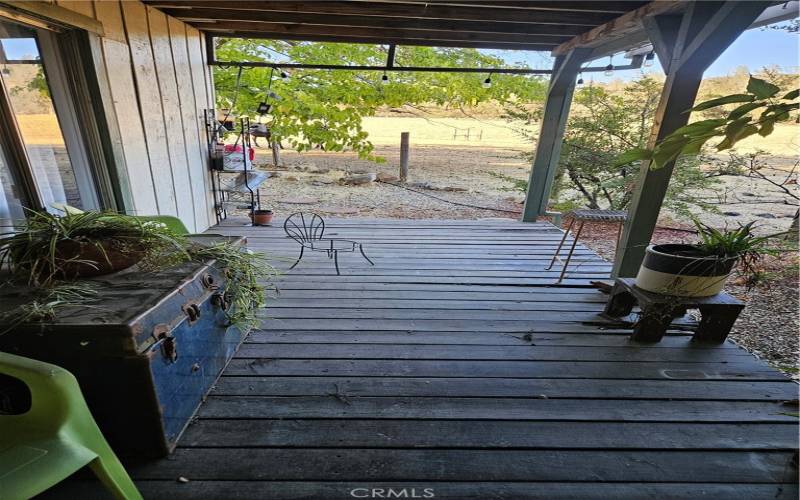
(520, 25)
(687, 36)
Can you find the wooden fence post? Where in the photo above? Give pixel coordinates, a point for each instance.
(276, 153)
(403, 156)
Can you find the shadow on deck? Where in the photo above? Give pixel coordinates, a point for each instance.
(452, 369)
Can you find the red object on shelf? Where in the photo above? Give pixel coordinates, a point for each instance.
(230, 148)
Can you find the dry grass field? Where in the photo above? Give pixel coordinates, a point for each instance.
(497, 133)
(40, 129)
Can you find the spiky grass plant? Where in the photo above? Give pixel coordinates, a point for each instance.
(739, 243)
(248, 276)
(45, 303)
(34, 251)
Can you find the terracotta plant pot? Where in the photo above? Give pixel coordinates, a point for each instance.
(683, 270)
(262, 217)
(86, 259)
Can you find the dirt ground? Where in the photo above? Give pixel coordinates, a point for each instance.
(445, 164)
(310, 181)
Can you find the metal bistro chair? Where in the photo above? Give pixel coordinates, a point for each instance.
(584, 216)
(308, 229)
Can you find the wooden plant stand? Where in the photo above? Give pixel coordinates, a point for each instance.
(718, 312)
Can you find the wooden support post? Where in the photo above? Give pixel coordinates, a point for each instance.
(551, 134)
(706, 29)
(404, 147)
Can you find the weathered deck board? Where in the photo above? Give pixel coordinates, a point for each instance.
(504, 387)
(481, 434)
(631, 370)
(473, 465)
(456, 365)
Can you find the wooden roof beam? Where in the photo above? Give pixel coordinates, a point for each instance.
(199, 15)
(479, 12)
(626, 26)
(613, 7)
(380, 41)
(379, 33)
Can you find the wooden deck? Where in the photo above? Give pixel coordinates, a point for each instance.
(454, 368)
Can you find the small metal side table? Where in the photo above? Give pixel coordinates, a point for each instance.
(584, 216)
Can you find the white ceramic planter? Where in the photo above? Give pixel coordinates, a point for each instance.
(683, 270)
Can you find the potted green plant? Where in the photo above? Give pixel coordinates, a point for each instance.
(50, 255)
(701, 269)
(47, 247)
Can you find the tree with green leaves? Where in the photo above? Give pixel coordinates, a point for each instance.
(603, 123)
(325, 107)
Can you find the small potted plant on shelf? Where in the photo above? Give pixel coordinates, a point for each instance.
(701, 269)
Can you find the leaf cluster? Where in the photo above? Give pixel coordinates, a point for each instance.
(324, 108)
(45, 303)
(246, 273)
(739, 243)
(760, 108)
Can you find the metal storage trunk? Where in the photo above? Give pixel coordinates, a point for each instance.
(145, 354)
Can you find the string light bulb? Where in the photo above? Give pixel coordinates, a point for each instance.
(487, 84)
(649, 59)
(610, 67)
(385, 78)
(580, 79)
(284, 76)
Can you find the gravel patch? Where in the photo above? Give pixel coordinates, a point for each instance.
(768, 327)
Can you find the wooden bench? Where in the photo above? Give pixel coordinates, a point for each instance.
(718, 312)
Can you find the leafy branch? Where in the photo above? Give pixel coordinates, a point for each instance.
(759, 110)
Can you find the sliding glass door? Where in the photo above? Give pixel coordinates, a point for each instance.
(44, 164)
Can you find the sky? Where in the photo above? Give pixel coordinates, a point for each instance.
(19, 48)
(754, 49)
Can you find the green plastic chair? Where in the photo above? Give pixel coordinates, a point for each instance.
(173, 223)
(55, 437)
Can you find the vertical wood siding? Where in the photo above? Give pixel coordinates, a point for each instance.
(155, 67)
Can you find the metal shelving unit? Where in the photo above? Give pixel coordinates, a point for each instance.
(232, 187)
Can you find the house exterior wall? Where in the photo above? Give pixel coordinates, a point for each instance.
(159, 86)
